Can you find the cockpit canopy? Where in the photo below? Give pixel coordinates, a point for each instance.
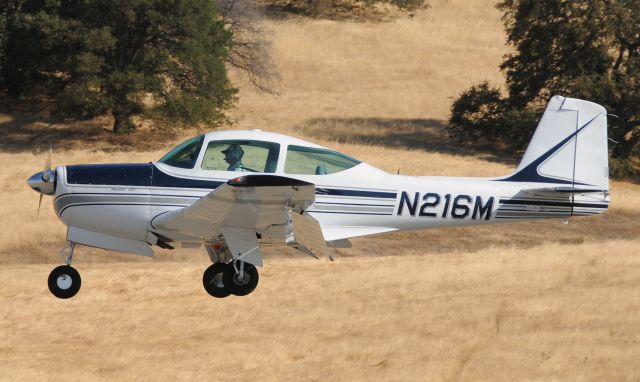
(287, 155)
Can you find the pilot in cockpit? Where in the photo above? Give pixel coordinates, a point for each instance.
(233, 155)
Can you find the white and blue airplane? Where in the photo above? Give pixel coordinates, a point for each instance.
(236, 191)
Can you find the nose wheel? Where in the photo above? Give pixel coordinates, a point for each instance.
(64, 281)
(221, 280)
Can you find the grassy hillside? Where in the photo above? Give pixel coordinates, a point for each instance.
(554, 312)
(538, 300)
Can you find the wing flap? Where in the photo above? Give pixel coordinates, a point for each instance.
(308, 234)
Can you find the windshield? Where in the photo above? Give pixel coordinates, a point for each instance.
(185, 154)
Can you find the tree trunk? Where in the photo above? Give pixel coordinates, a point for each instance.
(122, 122)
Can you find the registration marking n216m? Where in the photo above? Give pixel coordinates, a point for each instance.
(458, 206)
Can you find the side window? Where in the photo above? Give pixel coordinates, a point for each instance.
(185, 154)
(312, 161)
(242, 156)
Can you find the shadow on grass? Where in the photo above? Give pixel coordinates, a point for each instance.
(413, 134)
(29, 128)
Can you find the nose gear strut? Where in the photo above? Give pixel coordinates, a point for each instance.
(64, 281)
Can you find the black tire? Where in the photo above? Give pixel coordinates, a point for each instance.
(64, 281)
(244, 287)
(213, 280)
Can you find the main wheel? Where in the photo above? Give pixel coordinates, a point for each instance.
(244, 286)
(213, 282)
(64, 281)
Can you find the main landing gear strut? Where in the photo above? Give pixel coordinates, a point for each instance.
(227, 276)
(65, 281)
(237, 278)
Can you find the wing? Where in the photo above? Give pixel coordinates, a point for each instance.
(246, 205)
(251, 201)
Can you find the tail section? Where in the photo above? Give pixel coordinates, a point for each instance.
(569, 147)
(565, 170)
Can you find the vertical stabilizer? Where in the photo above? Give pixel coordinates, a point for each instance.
(569, 146)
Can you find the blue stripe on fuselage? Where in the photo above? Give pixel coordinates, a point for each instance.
(148, 175)
(138, 174)
(362, 193)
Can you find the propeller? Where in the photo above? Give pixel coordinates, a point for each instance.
(46, 176)
(39, 203)
(47, 166)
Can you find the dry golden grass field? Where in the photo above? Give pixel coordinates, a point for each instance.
(535, 301)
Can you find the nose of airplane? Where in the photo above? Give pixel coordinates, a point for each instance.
(43, 182)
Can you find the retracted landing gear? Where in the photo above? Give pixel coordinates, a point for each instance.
(64, 281)
(238, 278)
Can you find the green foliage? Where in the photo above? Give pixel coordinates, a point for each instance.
(161, 58)
(621, 168)
(587, 49)
(474, 114)
(482, 115)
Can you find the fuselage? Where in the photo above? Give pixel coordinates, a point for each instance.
(352, 198)
(123, 200)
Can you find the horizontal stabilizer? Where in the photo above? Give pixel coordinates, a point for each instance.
(569, 190)
(553, 202)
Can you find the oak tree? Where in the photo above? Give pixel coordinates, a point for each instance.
(162, 59)
(587, 49)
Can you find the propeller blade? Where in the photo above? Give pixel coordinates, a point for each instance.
(47, 163)
(39, 203)
(46, 173)
(46, 176)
